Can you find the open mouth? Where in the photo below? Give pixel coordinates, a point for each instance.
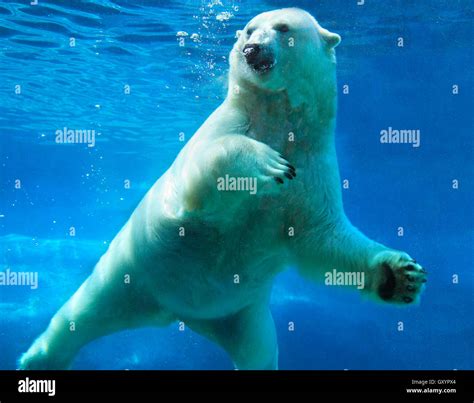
(263, 66)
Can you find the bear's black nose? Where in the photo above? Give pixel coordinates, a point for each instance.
(251, 52)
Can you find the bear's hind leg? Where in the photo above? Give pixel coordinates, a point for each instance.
(249, 337)
(99, 307)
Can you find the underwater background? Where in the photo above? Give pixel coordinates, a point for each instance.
(117, 67)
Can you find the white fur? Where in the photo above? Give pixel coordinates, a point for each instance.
(192, 277)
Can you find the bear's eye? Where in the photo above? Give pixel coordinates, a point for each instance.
(250, 31)
(281, 28)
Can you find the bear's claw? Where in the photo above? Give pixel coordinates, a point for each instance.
(282, 169)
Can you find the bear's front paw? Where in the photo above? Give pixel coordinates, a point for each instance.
(274, 168)
(397, 277)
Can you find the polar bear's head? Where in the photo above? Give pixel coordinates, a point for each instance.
(284, 50)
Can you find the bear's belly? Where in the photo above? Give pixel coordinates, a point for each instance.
(211, 272)
(198, 268)
(196, 293)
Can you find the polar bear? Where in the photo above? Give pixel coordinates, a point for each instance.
(207, 256)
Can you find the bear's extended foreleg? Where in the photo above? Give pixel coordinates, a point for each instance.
(387, 274)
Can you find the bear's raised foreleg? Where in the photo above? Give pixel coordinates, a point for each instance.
(228, 170)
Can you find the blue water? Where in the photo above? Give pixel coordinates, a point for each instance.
(172, 90)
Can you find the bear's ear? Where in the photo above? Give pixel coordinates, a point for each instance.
(331, 39)
(238, 33)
